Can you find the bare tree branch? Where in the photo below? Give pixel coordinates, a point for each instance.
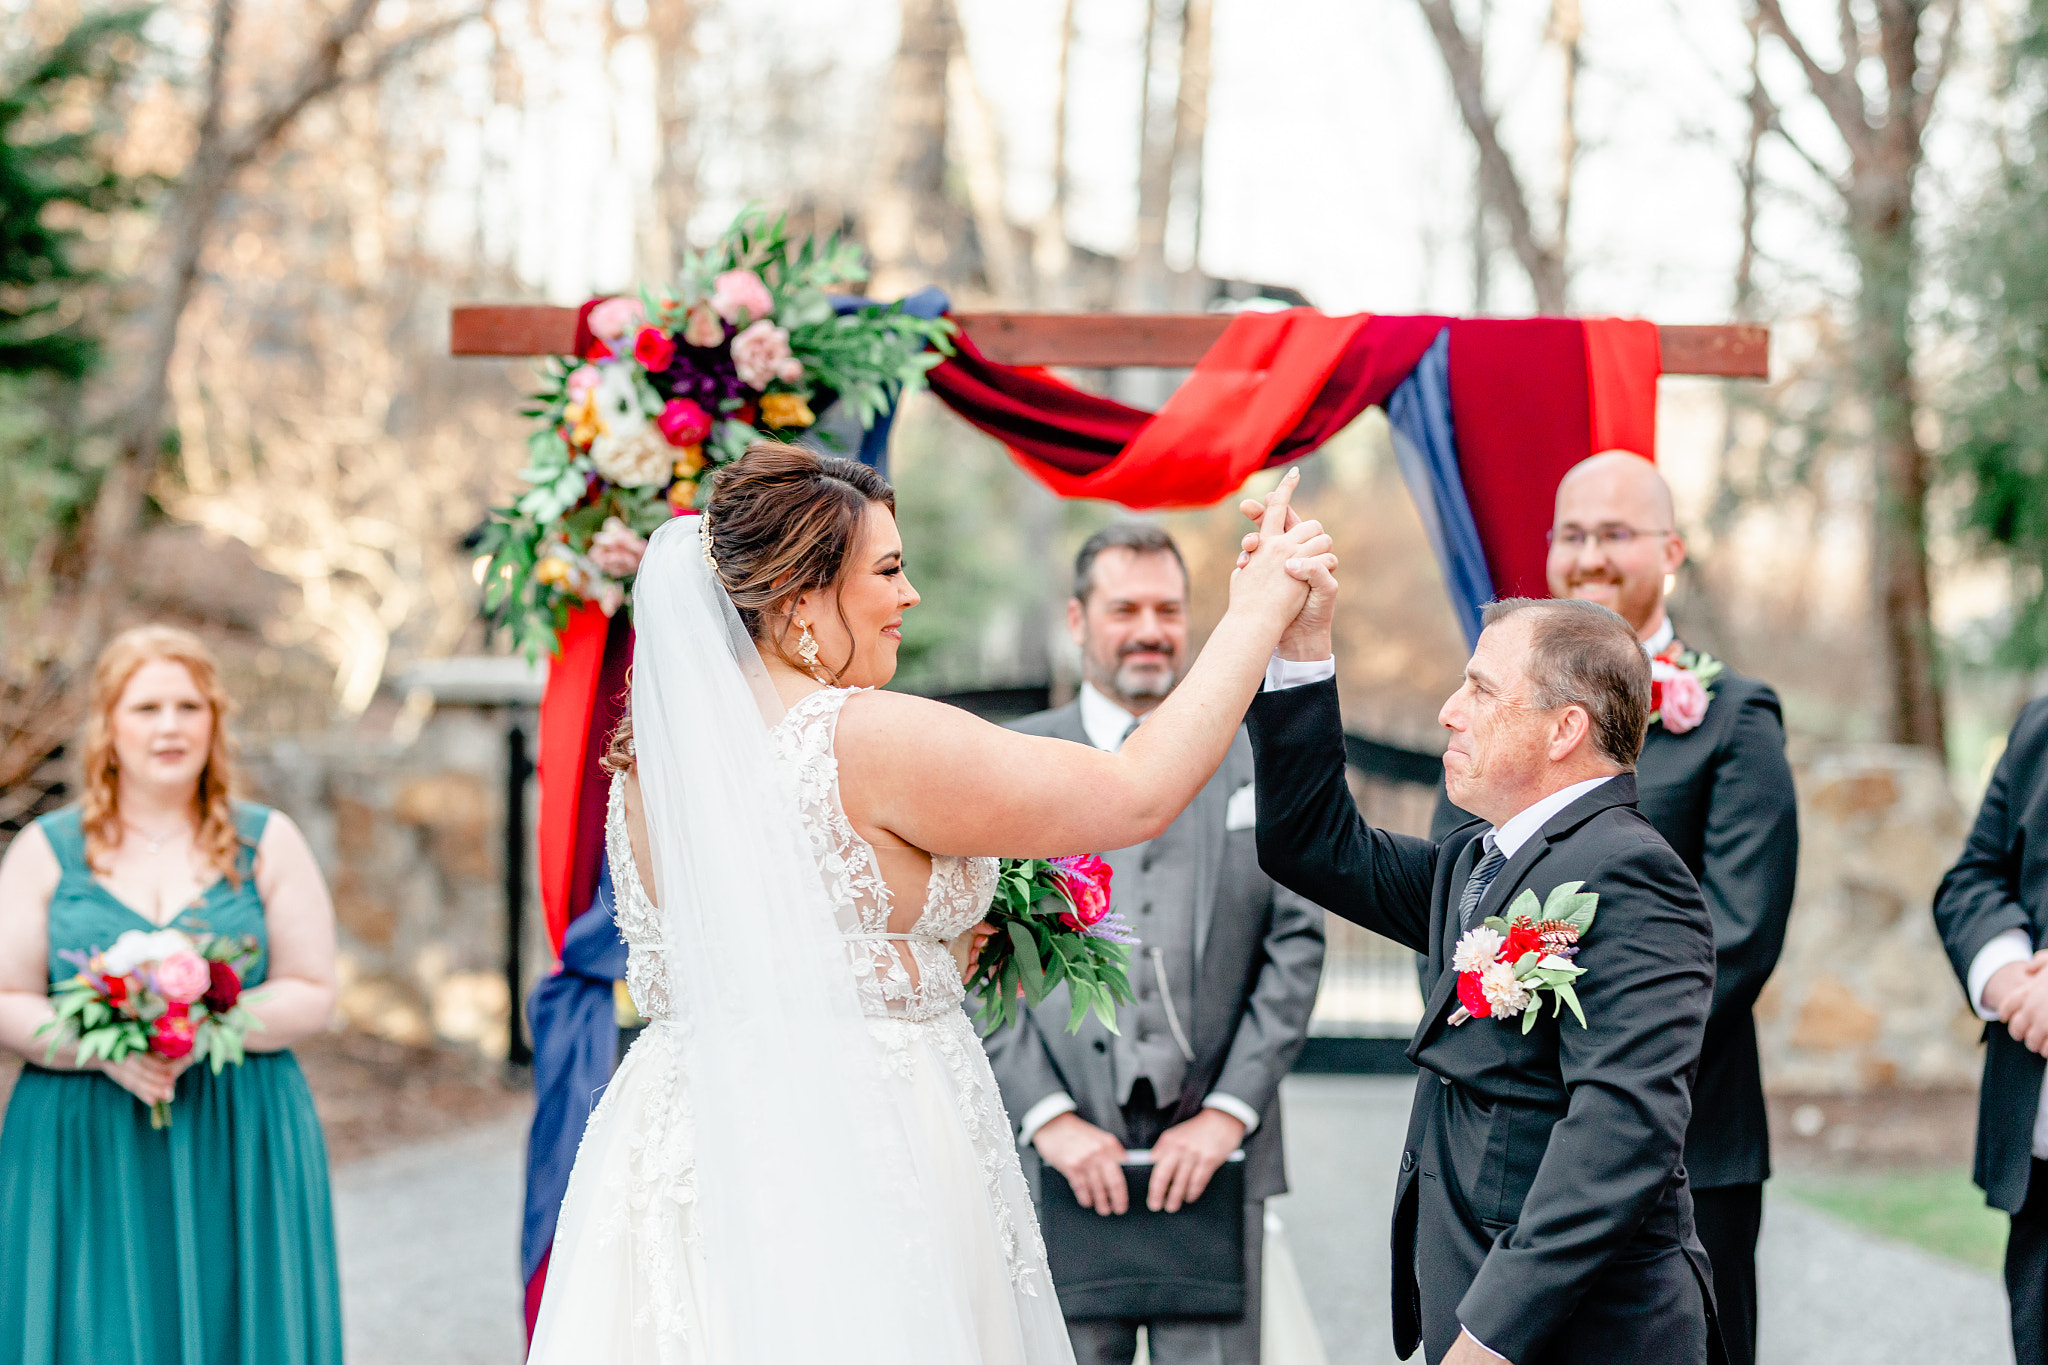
(1836, 90)
(1544, 262)
(1944, 60)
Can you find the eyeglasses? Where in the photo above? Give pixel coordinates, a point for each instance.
(1612, 536)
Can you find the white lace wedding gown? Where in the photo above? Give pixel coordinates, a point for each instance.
(626, 1280)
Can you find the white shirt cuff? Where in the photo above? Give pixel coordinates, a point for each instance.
(1282, 674)
(2009, 947)
(1482, 1345)
(1236, 1108)
(1042, 1113)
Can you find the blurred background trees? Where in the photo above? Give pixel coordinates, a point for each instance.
(232, 234)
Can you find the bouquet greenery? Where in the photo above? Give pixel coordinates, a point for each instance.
(1053, 924)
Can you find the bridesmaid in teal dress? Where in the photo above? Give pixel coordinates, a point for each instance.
(210, 1242)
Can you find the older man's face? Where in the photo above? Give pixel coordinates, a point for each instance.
(1133, 629)
(1498, 751)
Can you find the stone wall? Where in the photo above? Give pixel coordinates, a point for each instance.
(411, 837)
(1864, 997)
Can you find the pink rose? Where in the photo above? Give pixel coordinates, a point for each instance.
(1681, 701)
(1087, 883)
(654, 349)
(615, 318)
(759, 354)
(740, 298)
(583, 381)
(683, 422)
(183, 977)
(704, 327)
(617, 549)
(173, 1033)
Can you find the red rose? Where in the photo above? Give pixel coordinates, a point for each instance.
(171, 1035)
(1472, 996)
(597, 350)
(224, 989)
(1656, 694)
(654, 349)
(1086, 880)
(1522, 938)
(116, 988)
(683, 423)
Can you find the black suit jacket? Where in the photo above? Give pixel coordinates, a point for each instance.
(1721, 795)
(2001, 883)
(1570, 1140)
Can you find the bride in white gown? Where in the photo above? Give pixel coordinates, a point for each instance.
(805, 1158)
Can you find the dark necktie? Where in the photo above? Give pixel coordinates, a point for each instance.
(1475, 885)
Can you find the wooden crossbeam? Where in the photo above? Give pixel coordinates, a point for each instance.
(1088, 341)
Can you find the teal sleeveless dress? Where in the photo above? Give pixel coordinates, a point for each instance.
(208, 1243)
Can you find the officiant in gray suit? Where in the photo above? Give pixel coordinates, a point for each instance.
(1225, 972)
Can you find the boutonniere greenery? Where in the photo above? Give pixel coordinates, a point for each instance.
(1506, 963)
(1681, 684)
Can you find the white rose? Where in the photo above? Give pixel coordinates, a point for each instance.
(1477, 949)
(138, 946)
(1507, 995)
(637, 459)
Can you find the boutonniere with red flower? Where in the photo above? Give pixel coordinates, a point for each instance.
(1506, 962)
(1681, 684)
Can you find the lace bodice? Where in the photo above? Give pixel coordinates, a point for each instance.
(956, 898)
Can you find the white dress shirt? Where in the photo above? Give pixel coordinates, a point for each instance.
(1662, 636)
(2014, 945)
(1107, 725)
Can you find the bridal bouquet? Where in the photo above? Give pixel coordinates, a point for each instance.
(1053, 924)
(1505, 963)
(669, 384)
(166, 992)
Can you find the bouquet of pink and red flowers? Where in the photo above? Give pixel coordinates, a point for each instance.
(1053, 924)
(168, 992)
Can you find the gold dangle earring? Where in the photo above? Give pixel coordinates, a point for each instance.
(806, 644)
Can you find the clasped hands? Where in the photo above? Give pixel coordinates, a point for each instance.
(2018, 994)
(1307, 637)
(1183, 1159)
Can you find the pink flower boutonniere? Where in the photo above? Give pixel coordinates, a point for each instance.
(1506, 962)
(1681, 684)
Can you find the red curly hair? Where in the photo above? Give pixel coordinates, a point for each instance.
(212, 805)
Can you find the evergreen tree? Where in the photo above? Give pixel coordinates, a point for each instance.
(1998, 417)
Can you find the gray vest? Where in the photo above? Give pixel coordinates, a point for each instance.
(1154, 889)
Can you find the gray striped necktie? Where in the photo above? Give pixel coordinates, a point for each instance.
(1475, 885)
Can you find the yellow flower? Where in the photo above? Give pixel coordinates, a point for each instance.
(689, 460)
(786, 410)
(551, 570)
(682, 493)
(584, 422)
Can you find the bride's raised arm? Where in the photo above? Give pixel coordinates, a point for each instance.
(948, 782)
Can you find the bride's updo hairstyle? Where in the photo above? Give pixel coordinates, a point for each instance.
(786, 520)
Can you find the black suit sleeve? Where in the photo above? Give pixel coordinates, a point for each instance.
(1751, 852)
(1647, 986)
(1979, 899)
(1312, 839)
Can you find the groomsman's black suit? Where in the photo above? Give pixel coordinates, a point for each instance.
(2001, 883)
(1721, 795)
(1541, 1202)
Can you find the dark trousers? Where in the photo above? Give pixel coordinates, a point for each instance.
(1729, 1218)
(2026, 1271)
(1114, 1341)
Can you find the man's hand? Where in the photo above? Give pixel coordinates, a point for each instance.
(2018, 994)
(1307, 637)
(1092, 1161)
(1186, 1155)
(1466, 1351)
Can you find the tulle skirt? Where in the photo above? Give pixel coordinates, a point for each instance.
(626, 1280)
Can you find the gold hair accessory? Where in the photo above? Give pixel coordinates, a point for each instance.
(704, 539)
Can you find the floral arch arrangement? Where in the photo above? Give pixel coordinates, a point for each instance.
(668, 385)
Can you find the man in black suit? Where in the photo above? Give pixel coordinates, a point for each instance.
(1541, 1212)
(1992, 911)
(1719, 790)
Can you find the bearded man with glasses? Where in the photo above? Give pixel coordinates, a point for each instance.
(1713, 780)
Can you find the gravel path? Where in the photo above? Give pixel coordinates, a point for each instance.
(429, 1242)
